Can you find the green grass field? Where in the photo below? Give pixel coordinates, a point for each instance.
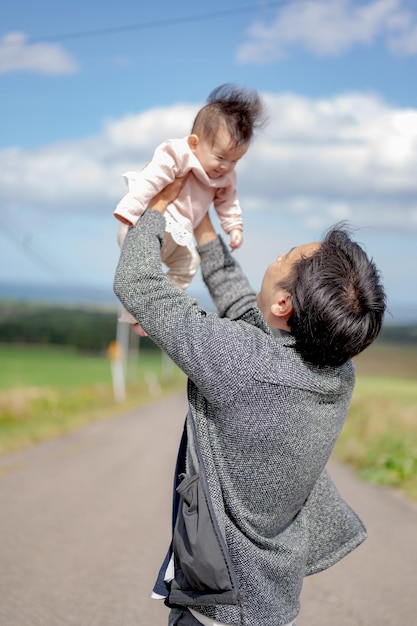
(48, 391)
(379, 438)
(49, 366)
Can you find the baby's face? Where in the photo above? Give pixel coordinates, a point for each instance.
(218, 159)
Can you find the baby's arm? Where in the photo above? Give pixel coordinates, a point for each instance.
(228, 209)
(143, 185)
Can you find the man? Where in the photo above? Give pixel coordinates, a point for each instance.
(270, 382)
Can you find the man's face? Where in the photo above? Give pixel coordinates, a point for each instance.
(220, 158)
(275, 273)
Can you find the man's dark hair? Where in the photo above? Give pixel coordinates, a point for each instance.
(338, 300)
(239, 110)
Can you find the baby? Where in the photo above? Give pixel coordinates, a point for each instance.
(220, 137)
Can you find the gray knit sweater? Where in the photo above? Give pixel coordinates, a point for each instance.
(265, 420)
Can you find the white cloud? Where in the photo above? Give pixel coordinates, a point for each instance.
(318, 161)
(405, 43)
(330, 28)
(85, 176)
(17, 54)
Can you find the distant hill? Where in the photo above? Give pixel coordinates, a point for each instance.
(55, 294)
(91, 325)
(73, 295)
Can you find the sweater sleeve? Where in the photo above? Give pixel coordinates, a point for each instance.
(207, 348)
(228, 286)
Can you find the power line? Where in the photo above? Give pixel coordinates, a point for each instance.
(23, 245)
(172, 21)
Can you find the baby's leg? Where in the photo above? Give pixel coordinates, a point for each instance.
(182, 262)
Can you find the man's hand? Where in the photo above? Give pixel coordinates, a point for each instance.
(167, 195)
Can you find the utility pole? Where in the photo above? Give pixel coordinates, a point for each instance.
(118, 354)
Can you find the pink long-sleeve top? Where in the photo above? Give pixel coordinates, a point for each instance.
(173, 159)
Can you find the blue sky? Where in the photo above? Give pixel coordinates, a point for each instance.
(89, 89)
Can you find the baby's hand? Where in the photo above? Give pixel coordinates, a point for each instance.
(236, 238)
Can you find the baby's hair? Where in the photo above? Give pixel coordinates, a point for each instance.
(239, 110)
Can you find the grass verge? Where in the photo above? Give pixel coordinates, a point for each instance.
(32, 415)
(379, 438)
(46, 392)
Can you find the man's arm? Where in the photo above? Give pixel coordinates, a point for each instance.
(228, 286)
(208, 349)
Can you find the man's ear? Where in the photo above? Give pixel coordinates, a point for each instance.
(282, 307)
(193, 141)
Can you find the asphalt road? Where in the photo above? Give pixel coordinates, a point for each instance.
(84, 524)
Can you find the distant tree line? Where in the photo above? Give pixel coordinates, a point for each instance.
(406, 334)
(85, 329)
(94, 329)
